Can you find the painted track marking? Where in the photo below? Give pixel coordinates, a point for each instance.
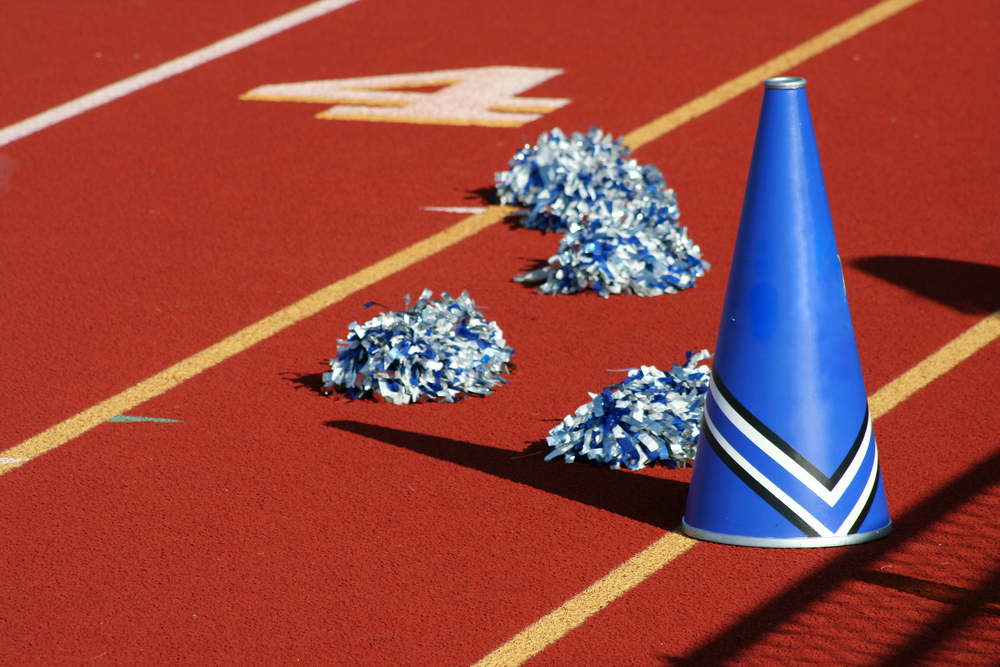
(161, 382)
(773, 67)
(184, 370)
(551, 627)
(571, 614)
(168, 69)
(953, 353)
(578, 609)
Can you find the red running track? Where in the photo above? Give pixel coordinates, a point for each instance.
(272, 525)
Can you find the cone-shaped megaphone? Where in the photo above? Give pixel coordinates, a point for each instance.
(786, 456)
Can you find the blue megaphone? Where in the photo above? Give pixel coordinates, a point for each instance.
(786, 456)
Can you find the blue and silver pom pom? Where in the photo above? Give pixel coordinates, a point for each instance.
(623, 233)
(634, 249)
(438, 350)
(563, 181)
(649, 416)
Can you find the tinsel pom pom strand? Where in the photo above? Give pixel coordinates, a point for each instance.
(649, 416)
(647, 255)
(438, 350)
(562, 181)
(623, 233)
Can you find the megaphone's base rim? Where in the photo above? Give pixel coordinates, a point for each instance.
(786, 542)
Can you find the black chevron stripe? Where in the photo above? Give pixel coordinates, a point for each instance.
(757, 488)
(777, 441)
(868, 503)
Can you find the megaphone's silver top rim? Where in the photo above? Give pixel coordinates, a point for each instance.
(785, 82)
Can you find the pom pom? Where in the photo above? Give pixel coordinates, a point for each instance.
(440, 349)
(650, 416)
(622, 222)
(564, 181)
(636, 249)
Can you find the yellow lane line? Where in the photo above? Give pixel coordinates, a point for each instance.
(774, 67)
(967, 344)
(571, 614)
(551, 627)
(536, 637)
(241, 340)
(578, 609)
(171, 377)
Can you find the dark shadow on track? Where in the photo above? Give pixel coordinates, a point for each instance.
(855, 565)
(311, 381)
(985, 599)
(657, 502)
(965, 286)
(533, 264)
(933, 636)
(487, 196)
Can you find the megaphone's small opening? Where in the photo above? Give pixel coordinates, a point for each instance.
(785, 82)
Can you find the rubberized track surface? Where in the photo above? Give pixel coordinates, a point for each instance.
(270, 524)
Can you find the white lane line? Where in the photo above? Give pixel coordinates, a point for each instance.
(468, 210)
(168, 69)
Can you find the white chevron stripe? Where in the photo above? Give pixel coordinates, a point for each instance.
(802, 513)
(830, 497)
(862, 500)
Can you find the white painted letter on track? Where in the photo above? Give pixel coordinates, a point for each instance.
(484, 96)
